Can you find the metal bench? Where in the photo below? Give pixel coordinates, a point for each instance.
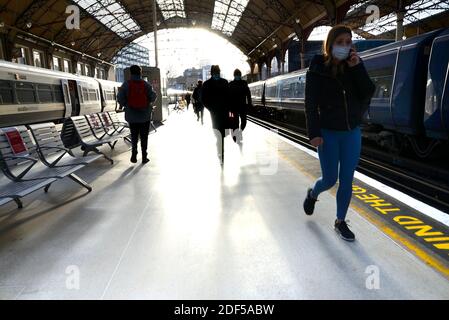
(111, 130)
(19, 161)
(118, 124)
(86, 138)
(51, 149)
(15, 190)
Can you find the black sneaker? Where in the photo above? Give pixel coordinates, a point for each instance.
(145, 160)
(133, 157)
(309, 203)
(343, 231)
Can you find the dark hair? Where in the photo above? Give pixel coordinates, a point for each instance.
(237, 73)
(200, 82)
(135, 70)
(215, 69)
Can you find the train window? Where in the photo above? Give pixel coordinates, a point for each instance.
(381, 72)
(45, 93)
(271, 91)
(85, 94)
(6, 92)
(25, 92)
(92, 95)
(57, 91)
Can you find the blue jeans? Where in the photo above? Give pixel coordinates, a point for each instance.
(339, 149)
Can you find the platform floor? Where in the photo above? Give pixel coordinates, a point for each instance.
(181, 227)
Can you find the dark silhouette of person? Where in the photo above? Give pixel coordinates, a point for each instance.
(198, 106)
(187, 100)
(136, 96)
(240, 100)
(214, 96)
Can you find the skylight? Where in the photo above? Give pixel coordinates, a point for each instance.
(112, 14)
(171, 8)
(414, 12)
(227, 14)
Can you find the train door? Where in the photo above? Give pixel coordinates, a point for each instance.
(74, 98)
(67, 100)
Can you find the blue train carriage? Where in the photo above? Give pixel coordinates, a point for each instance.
(30, 94)
(397, 107)
(436, 112)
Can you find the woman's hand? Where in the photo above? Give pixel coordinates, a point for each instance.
(353, 58)
(316, 141)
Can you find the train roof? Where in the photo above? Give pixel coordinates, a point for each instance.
(413, 40)
(43, 71)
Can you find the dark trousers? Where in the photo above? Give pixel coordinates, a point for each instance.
(242, 120)
(141, 130)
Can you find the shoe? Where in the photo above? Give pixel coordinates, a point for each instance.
(133, 157)
(145, 158)
(341, 227)
(309, 203)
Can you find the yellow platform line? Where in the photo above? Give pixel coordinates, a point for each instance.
(385, 228)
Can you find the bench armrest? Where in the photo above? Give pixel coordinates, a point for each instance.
(24, 172)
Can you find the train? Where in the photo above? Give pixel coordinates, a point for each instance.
(31, 95)
(410, 106)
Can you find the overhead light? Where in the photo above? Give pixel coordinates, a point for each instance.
(72, 43)
(2, 24)
(193, 22)
(28, 25)
(297, 20)
(98, 54)
(158, 23)
(83, 55)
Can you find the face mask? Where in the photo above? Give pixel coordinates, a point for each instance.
(216, 76)
(237, 78)
(340, 52)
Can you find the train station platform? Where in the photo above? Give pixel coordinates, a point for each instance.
(183, 227)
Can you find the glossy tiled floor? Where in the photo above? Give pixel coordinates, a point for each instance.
(181, 227)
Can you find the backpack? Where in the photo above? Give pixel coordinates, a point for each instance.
(137, 95)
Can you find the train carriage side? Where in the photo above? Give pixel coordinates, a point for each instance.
(88, 91)
(436, 114)
(108, 95)
(399, 71)
(30, 94)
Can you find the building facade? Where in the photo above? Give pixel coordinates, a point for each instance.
(128, 56)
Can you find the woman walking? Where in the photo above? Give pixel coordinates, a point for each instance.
(338, 92)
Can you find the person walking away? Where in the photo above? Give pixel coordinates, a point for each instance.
(240, 97)
(214, 96)
(188, 100)
(338, 93)
(136, 96)
(198, 106)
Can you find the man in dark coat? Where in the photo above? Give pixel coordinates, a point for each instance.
(215, 95)
(240, 98)
(138, 118)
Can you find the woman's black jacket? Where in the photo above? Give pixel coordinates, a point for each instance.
(336, 103)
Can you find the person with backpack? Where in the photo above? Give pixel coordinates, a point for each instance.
(198, 106)
(240, 97)
(136, 96)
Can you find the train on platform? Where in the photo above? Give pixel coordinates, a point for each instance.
(31, 95)
(409, 109)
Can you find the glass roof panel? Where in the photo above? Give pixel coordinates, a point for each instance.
(417, 11)
(112, 14)
(171, 8)
(227, 14)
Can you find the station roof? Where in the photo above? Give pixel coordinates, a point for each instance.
(255, 26)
